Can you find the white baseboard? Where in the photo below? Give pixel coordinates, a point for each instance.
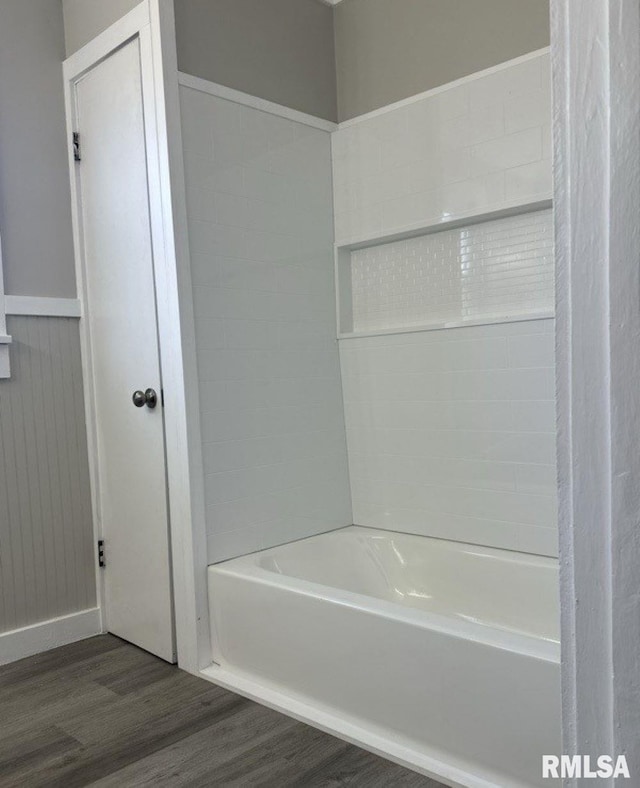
(25, 642)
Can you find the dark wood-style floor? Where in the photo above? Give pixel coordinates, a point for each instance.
(102, 712)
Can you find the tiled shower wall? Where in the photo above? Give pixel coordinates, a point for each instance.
(259, 205)
(451, 432)
(469, 148)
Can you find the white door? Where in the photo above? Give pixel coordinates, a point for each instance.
(121, 309)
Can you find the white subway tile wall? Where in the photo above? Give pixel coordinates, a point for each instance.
(497, 269)
(451, 433)
(474, 147)
(259, 205)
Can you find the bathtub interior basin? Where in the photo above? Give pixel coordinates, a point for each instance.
(500, 589)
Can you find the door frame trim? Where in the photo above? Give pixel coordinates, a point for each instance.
(152, 22)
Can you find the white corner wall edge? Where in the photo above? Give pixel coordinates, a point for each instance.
(597, 198)
(27, 641)
(177, 335)
(237, 96)
(346, 729)
(37, 306)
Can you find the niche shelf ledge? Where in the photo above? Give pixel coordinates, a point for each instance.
(447, 223)
(489, 321)
(347, 322)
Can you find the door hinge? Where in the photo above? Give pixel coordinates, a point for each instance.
(162, 398)
(101, 562)
(76, 146)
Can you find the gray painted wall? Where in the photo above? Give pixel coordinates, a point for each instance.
(339, 62)
(84, 19)
(280, 50)
(35, 204)
(387, 50)
(46, 535)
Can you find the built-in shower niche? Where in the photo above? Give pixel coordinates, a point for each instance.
(493, 268)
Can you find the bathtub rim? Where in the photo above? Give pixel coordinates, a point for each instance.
(514, 642)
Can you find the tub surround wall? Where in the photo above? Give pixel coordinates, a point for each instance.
(260, 231)
(451, 432)
(479, 145)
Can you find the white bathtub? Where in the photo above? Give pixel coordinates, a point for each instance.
(440, 655)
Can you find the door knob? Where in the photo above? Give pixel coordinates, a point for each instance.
(139, 399)
(148, 398)
(151, 398)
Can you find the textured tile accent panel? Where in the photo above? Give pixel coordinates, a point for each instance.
(496, 269)
(451, 433)
(259, 204)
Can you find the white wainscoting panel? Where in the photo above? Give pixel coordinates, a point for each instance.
(451, 433)
(259, 204)
(47, 566)
(481, 144)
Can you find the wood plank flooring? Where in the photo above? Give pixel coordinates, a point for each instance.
(103, 712)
